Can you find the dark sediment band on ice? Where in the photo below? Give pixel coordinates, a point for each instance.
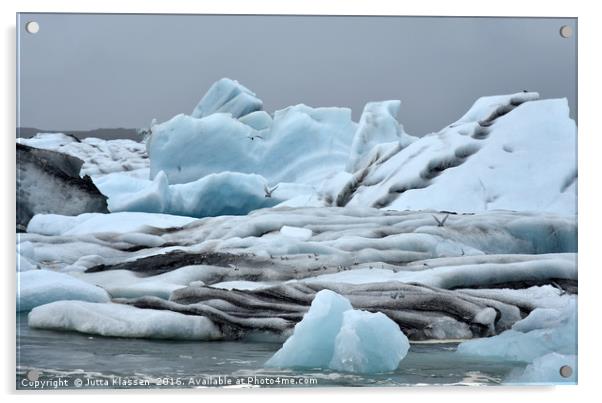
(438, 275)
(422, 312)
(477, 130)
(158, 264)
(341, 240)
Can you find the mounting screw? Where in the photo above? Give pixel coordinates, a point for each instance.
(32, 27)
(566, 31)
(566, 371)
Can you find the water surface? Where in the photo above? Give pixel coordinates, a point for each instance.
(72, 360)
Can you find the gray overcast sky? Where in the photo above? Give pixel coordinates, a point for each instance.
(97, 71)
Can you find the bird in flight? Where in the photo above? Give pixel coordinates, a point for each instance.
(268, 191)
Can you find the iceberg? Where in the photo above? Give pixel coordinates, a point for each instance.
(527, 346)
(478, 163)
(39, 287)
(302, 145)
(508, 152)
(486, 109)
(117, 320)
(367, 343)
(49, 182)
(204, 146)
(227, 96)
(299, 144)
(377, 125)
(512, 345)
(469, 166)
(334, 335)
(224, 193)
(258, 120)
(313, 341)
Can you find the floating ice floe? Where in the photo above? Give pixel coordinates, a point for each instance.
(518, 346)
(533, 337)
(546, 370)
(108, 319)
(333, 335)
(39, 287)
(125, 222)
(368, 342)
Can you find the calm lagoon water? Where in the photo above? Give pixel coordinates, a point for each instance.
(72, 360)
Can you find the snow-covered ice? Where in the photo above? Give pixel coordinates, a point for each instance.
(126, 284)
(299, 233)
(23, 263)
(101, 157)
(551, 314)
(39, 287)
(88, 223)
(354, 245)
(117, 320)
(521, 160)
(334, 335)
(465, 275)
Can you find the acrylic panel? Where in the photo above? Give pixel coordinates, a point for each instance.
(295, 201)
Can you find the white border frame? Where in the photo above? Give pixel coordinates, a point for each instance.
(589, 71)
